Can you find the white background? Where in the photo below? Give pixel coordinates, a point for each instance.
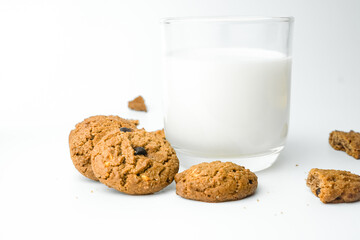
(62, 61)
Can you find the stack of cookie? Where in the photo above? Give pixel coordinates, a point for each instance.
(115, 152)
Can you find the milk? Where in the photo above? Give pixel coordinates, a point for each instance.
(226, 102)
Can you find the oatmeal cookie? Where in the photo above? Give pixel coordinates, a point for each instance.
(334, 186)
(348, 142)
(87, 133)
(216, 182)
(134, 162)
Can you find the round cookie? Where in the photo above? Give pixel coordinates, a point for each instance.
(135, 162)
(216, 182)
(87, 133)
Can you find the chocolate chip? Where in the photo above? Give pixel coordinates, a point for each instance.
(250, 181)
(124, 129)
(318, 191)
(140, 151)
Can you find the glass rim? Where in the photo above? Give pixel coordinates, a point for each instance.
(237, 19)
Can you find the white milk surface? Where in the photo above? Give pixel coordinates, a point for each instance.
(226, 102)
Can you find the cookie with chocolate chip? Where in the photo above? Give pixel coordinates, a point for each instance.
(216, 182)
(136, 162)
(334, 186)
(87, 133)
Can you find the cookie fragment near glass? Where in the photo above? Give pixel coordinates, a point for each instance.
(138, 104)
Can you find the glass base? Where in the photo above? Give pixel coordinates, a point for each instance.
(255, 163)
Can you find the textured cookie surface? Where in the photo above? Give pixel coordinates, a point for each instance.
(348, 142)
(87, 133)
(138, 104)
(216, 182)
(334, 186)
(135, 162)
(160, 133)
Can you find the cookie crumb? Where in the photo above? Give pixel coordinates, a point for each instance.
(138, 104)
(92, 191)
(257, 200)
(348, 142)
(296, 165)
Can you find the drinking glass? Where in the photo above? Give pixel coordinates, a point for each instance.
(227, 88)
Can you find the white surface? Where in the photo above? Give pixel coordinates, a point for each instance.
(62, 61)
(226, 102)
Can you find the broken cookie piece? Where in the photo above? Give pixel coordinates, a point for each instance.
(138, 104)
(334, 186)
(348, 142)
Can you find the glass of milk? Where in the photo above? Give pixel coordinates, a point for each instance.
(227, 88)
